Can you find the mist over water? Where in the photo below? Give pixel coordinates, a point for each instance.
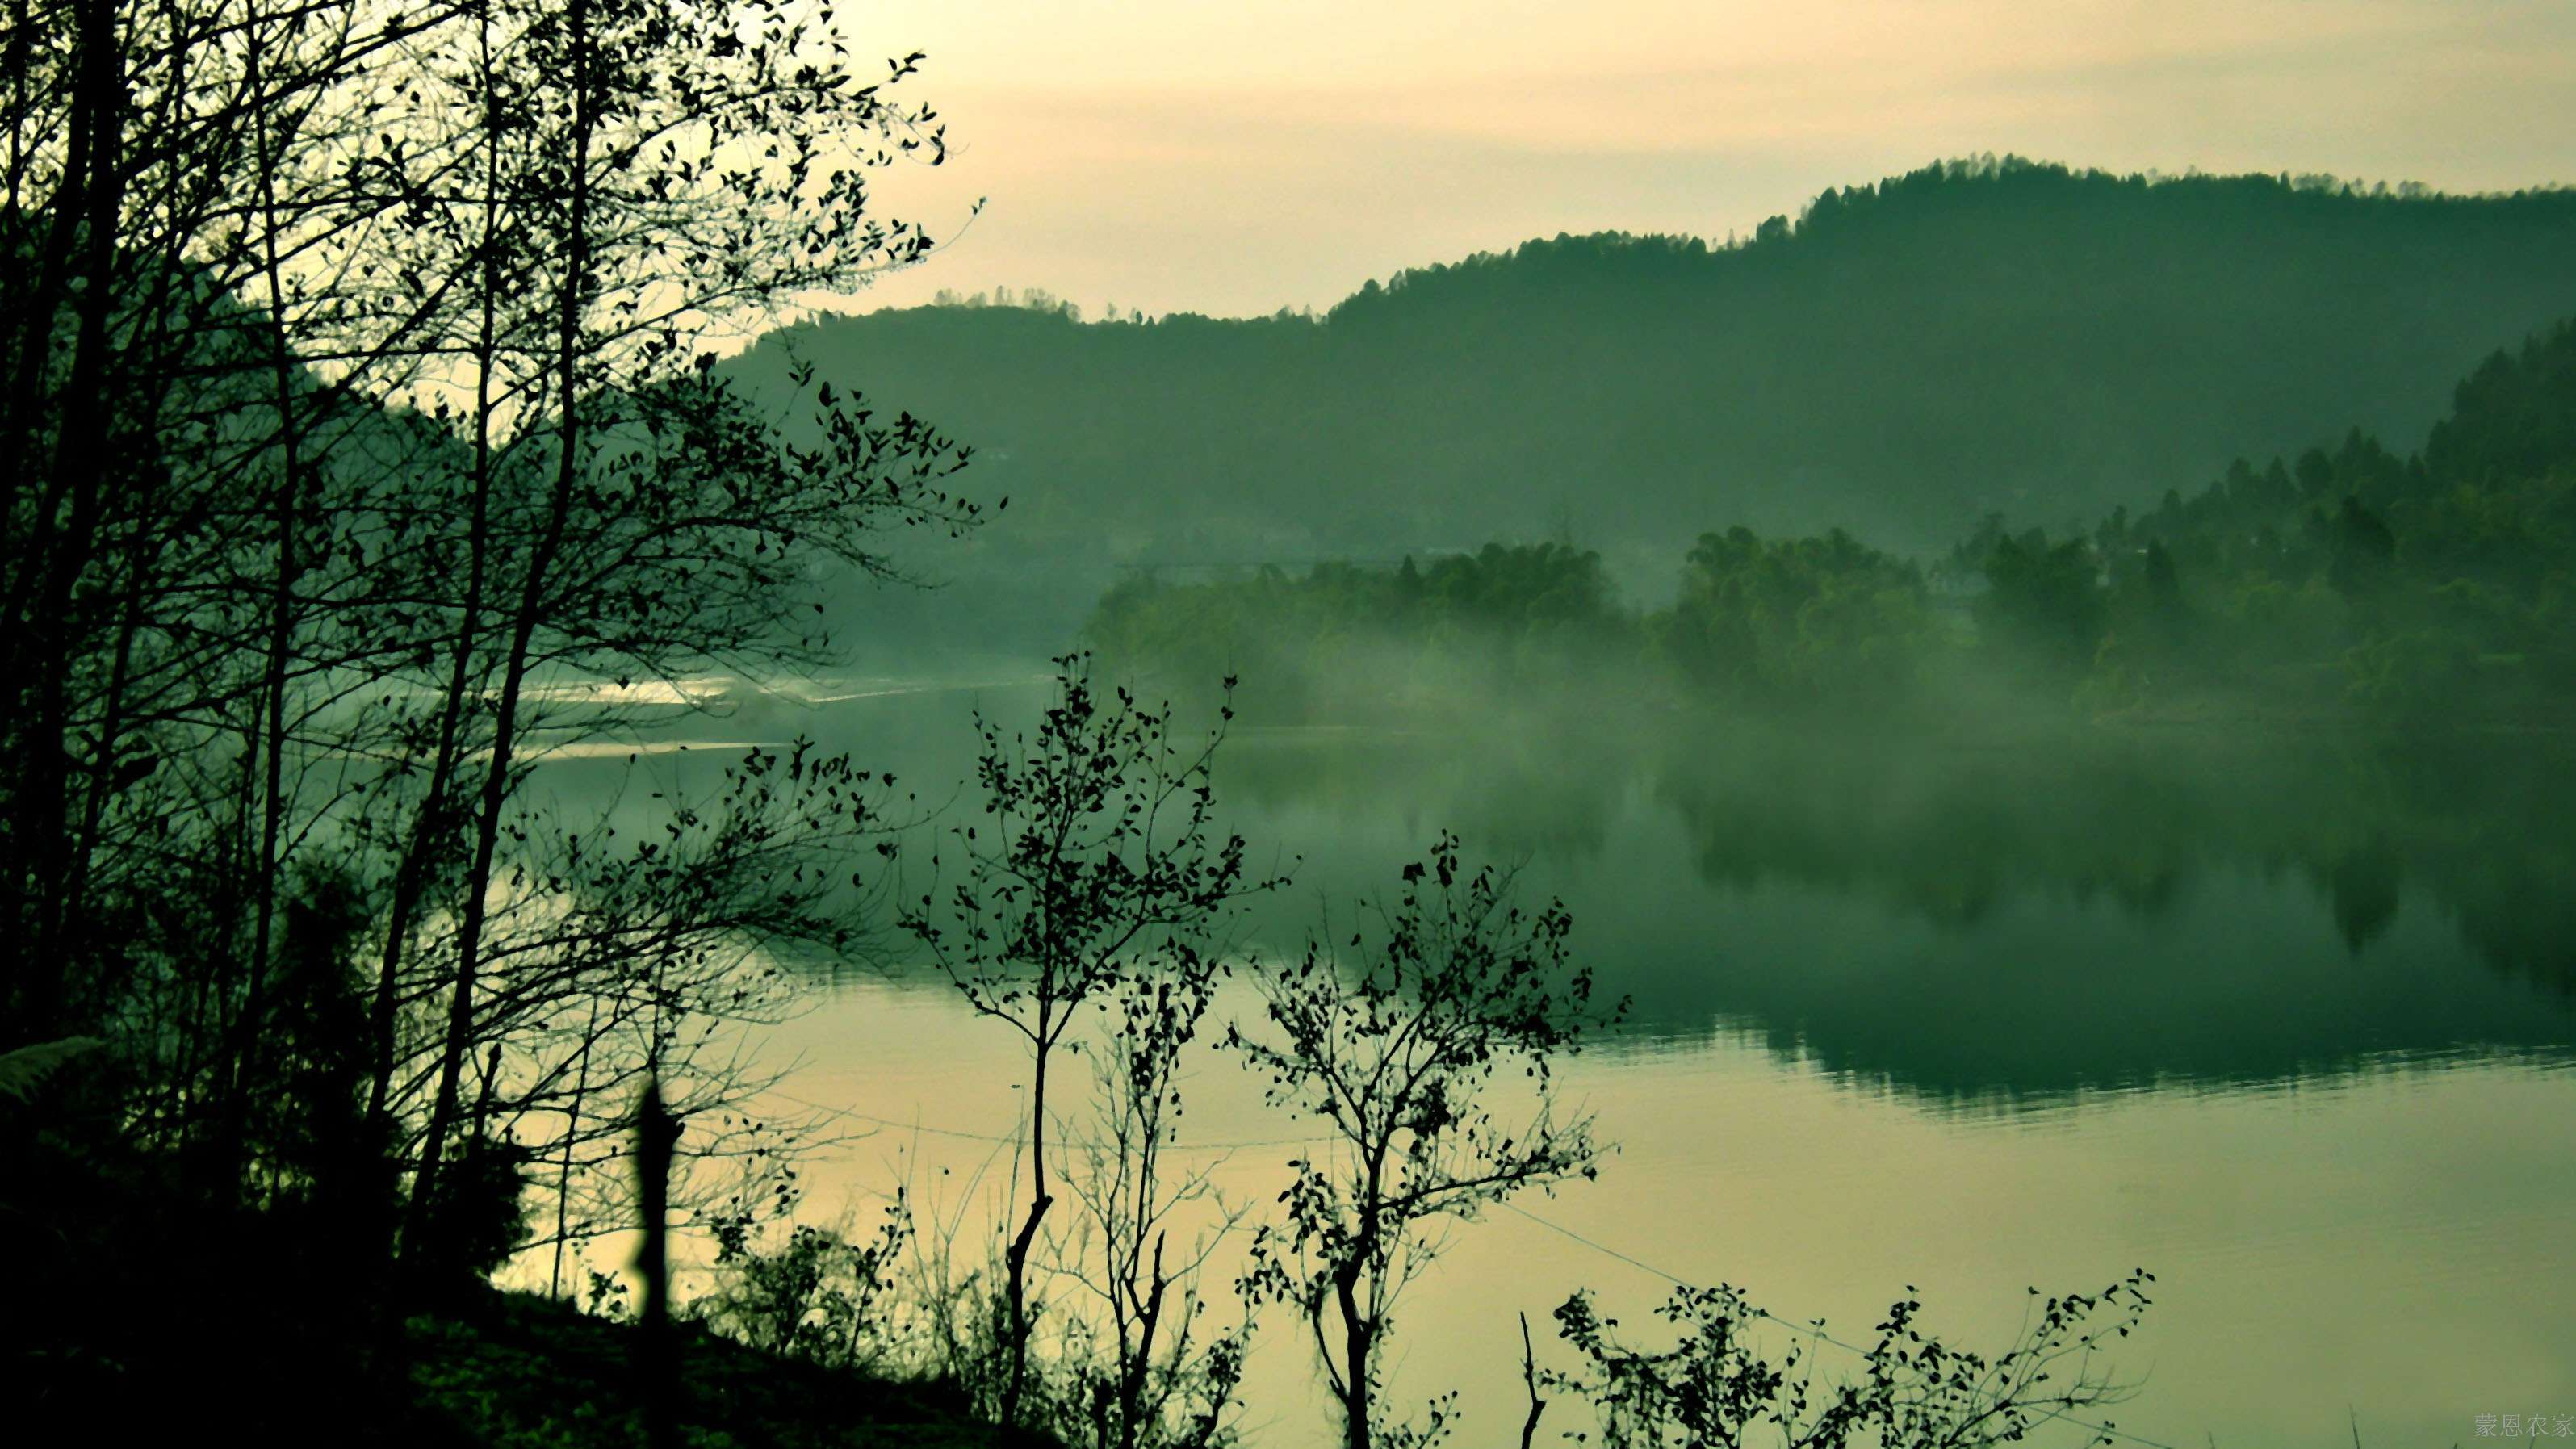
(2287, 1021)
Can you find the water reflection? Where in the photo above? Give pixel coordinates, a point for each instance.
(1970, 922)
(2289, 1023)
(1965, 921)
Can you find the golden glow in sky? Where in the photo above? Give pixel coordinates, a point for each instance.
(1236, 157)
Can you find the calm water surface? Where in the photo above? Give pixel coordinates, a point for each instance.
(2289, 1026)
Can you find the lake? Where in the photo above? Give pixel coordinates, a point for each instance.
(2288, 1024)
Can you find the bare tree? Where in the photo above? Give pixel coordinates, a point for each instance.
(1170, 1373)
(1395, 1045)
(685, 164)
(1094, 863)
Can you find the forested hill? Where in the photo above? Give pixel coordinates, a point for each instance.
(1901, 360)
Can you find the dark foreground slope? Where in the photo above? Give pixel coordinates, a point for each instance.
(1903, 359)
(524, 1371)
(490, 1371)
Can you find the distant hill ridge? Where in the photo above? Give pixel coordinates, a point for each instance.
(1902, 359)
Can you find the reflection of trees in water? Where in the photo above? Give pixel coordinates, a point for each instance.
(1535, 790)
(2483, 829)
(1950, 834)
(2363, 889)
(1978, 923)
(2510, 879)
(1933, 916)
(2530, 932)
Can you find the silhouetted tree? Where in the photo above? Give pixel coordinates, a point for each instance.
(360, 448)
(1717, 1388)
(1396, 1046)
(2364, 551)
(1167, 1380)
(1092, 867)
(2043, 598)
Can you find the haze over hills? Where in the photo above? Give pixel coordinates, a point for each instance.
(1901, 360)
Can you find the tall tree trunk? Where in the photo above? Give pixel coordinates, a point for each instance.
(657, 1138)
(62, 544)
(523, 626)
(284, 503)
(1016, 1258)
(572, 1130)
(1357, 1348)
(412, 873)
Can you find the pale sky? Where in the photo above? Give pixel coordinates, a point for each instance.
(1235, 156)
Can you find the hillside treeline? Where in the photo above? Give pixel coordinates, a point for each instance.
(2348, 579)
(1900, 360)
